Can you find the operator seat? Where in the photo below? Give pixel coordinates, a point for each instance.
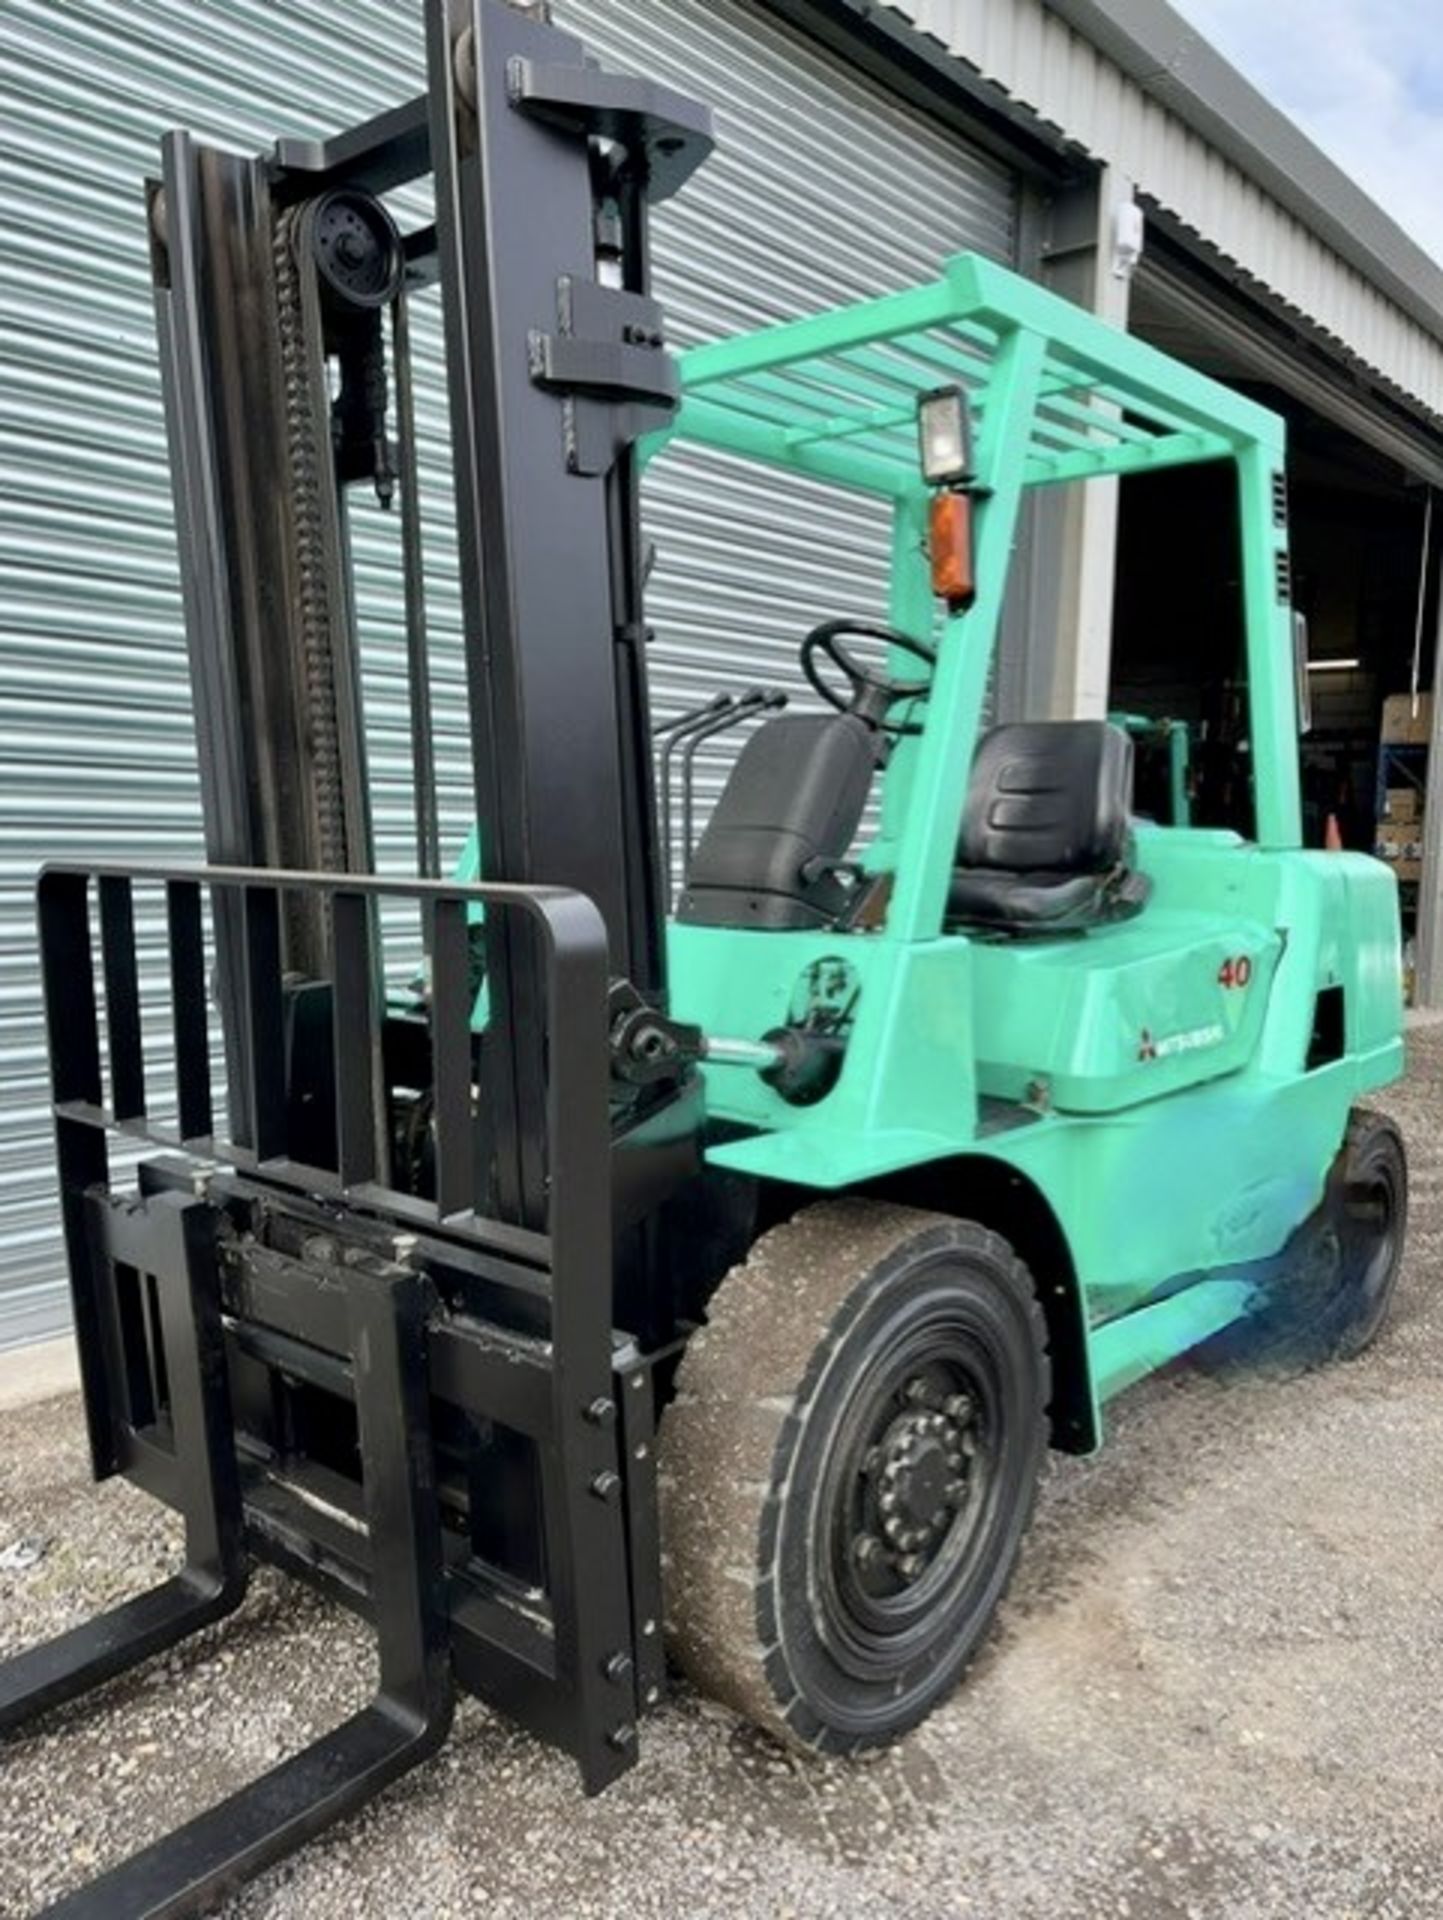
(773, 851)
(1046, 842)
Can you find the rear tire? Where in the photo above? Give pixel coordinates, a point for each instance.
(848, 1469)
(1337, 1278)
(1370, 1217)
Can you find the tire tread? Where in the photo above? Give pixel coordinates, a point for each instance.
(744, 1389)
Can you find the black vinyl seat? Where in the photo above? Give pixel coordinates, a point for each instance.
(1046, 843)
(771, 852)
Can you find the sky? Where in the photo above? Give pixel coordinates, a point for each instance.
(1363, 78)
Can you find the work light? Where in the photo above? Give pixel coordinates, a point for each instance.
(944, 438)
(944, 433)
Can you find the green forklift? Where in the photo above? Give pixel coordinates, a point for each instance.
(1068, 1095)
(613, 1279)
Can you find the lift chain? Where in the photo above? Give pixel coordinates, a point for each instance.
(307, 432)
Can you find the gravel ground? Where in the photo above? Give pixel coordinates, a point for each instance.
(1214, 1690)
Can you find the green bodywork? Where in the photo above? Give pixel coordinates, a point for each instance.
(1148, 1084)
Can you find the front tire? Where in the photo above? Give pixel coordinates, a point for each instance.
(849, 1467)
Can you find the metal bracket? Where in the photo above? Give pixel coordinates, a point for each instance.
(634, 1395)
(647, 1045)
(610, 343)
(666, 133)
(609, 362)
(383, 152)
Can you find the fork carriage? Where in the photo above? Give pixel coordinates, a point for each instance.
(315, 1369)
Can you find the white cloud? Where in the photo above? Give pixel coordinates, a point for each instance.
(1363, 78)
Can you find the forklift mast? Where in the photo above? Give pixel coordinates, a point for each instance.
(275, 277)
(385, 1310)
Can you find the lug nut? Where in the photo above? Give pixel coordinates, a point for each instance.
(606, 1484)
(623, 1738)
(617, 1667)
(867, 1550)
(958, 1407)
(602, 1411)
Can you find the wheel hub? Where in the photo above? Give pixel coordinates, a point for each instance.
(921, 1479)
(916, 1480)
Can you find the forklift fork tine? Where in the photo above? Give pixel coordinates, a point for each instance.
(75, 1663)
(179, 1250)
(189, 1870)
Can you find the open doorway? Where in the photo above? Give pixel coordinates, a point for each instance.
(1359, 576)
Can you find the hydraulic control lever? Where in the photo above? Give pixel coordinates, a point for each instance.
(676, 732)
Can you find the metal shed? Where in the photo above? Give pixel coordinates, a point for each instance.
(860, 144)
(817, 164)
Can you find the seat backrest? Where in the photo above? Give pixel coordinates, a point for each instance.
(1049, 796)
(793, 801)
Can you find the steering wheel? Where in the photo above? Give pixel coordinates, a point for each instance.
(872, 694)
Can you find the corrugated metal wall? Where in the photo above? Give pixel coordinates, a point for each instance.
(823, 188)
(1033, 55)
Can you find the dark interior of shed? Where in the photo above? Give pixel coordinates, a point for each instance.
(1357, 562)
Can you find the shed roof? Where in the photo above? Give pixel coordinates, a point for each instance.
(1174, 63)
(1132, 84)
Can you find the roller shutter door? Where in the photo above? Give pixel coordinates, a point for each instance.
(824, 188)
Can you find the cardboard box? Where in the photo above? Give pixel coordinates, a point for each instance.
(1402, 806)
(1402, 727)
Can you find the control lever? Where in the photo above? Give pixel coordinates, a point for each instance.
(680, 720)
(676, 731)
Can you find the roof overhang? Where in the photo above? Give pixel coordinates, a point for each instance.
(1171, 61)
(1072, 84)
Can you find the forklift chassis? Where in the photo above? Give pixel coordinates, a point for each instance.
(733, 1267)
